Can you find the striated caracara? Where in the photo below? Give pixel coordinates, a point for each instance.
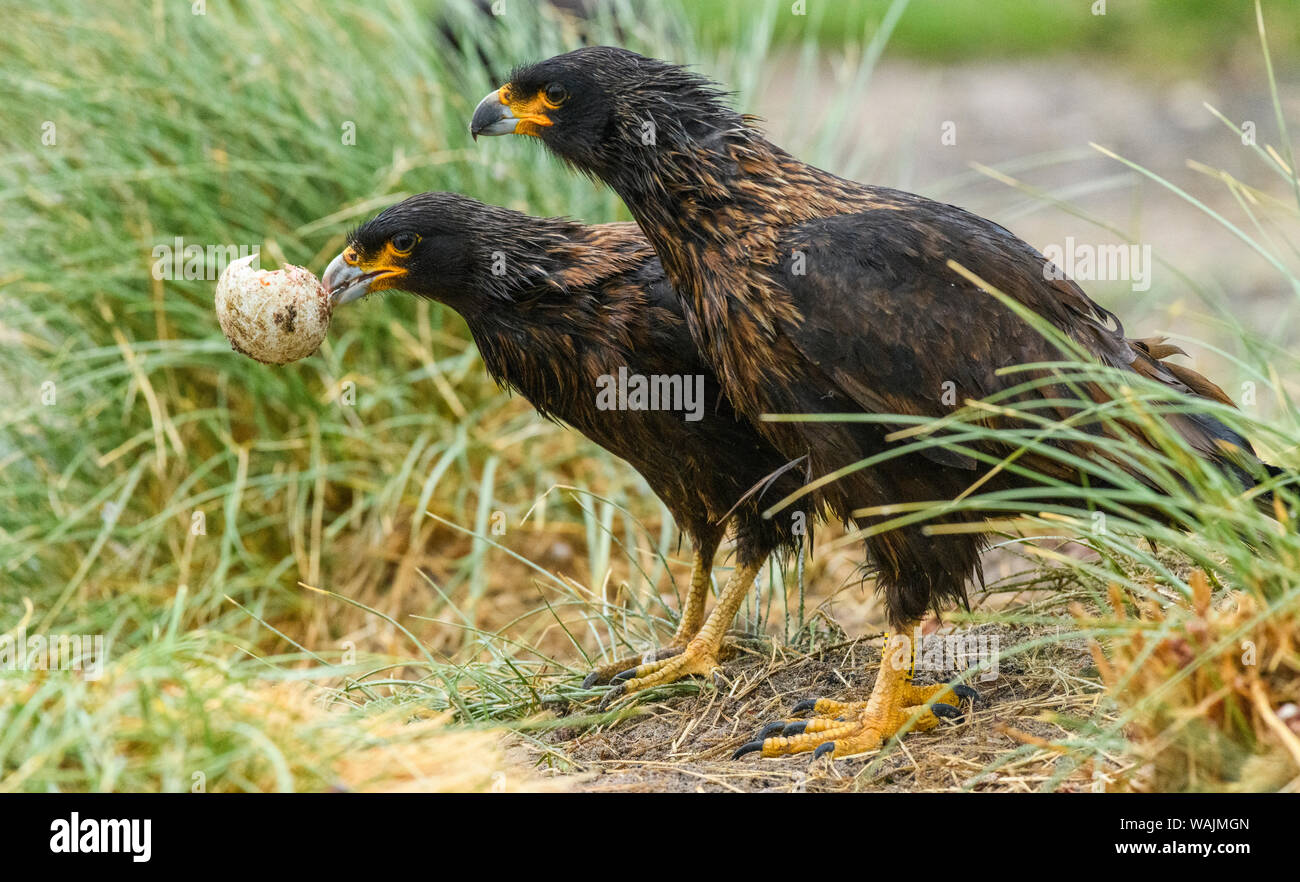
(812, 294)
(556, 309)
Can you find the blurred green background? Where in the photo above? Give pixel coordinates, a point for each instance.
(1148, 35)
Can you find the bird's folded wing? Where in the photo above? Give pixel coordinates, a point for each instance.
(902, 333)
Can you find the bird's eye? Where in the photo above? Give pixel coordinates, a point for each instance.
(403, 242)
(556, 94)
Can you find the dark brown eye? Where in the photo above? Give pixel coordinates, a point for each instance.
(556, 94)
(404, 242)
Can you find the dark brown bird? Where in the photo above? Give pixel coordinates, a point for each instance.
(812, 294)
(560, 311)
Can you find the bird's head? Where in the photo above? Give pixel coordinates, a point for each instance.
(422, 245)
(600, 107)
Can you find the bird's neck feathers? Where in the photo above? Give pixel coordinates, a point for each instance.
(549, 306)
(533, 263)
(715, 203)
(517, 261)
(714, 185)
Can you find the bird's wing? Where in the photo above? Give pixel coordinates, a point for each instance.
(884, 316)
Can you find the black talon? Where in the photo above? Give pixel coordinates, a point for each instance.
(612, 694)
(806, 705)
(623, 676)
(747, 748)
(794, 729)
(822, 750)
(940, 709)
(964, 691)
(592, 679)
(771, 729)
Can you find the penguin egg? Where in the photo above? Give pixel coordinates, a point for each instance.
(274, 316)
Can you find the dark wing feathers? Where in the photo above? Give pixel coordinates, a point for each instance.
(900, 332)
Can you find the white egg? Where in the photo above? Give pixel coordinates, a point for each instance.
(274, 316)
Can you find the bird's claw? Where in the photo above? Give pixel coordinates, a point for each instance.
(784, 728)
(608, 698)
(845, 728)
(698, 659)
(609, 673)
(939, 709)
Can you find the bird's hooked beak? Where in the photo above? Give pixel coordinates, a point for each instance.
(500, 114)
(346, 280)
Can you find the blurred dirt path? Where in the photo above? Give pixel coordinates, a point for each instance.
(997, 114)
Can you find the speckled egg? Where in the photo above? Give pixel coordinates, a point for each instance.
(274, 316)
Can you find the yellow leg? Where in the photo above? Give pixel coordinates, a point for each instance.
(700, 657)
(692, 618)
(843, 729)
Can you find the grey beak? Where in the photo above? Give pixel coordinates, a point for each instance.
(345, 283)
(491, 117)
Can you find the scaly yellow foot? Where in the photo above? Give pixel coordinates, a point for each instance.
(698, 659)
(629, 664)
(687, 628)
(845, 728)
(607, 673)
(701, 655)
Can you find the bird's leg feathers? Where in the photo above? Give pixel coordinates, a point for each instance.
(691, 621)
(701, 655)
(846, 728)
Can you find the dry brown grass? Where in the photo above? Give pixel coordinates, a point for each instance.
(323, 746)
(685, 743)
(543, 608)
(1212, 690)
